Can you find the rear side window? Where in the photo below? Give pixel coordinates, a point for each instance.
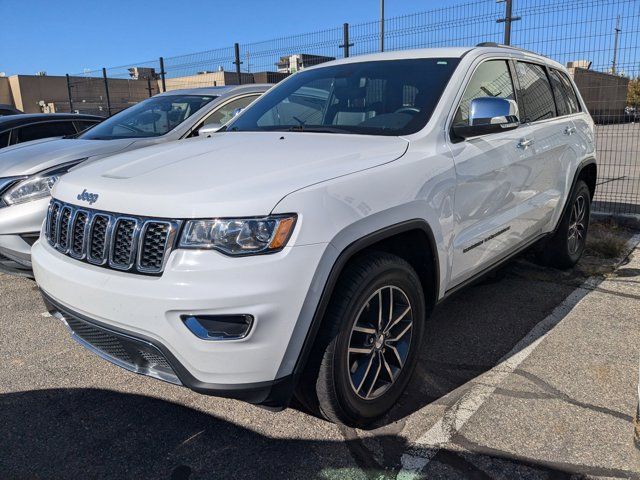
(82, 125)
(491, 79)
(566, 98)
(44, 130)
(536, 96)
(225, 113)
(4, 138)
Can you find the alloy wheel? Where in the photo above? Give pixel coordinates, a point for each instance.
(577, 226)
(379, 342)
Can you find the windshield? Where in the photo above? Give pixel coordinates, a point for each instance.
(391, 97)
(151, 118)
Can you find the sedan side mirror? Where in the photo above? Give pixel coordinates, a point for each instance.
(489, 115)
(208, 129)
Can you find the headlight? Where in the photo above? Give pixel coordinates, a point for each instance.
(239, 236)
(36, 186)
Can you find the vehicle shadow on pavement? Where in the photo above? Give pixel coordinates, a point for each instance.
(99, 434)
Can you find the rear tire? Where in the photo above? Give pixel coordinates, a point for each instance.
(567, 245)
(369, 340)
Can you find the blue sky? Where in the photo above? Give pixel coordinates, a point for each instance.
(67, 36)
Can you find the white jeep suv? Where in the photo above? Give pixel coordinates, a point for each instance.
(303, 249)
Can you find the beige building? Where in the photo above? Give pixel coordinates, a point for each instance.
(604, 93)
(37, 94)
(49, 93)
(207, 79)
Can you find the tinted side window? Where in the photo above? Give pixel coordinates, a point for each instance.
(225, 113)
(491, 79)
(4, 138)
(565, 95)
(537, 98)
(44, 130)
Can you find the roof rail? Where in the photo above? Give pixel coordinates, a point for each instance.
(494, 44)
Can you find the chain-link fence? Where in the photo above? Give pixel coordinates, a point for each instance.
(599, 40)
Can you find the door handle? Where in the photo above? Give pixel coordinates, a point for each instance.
(525, 143)
(570, 130)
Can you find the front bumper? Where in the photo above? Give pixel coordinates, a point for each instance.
(15, 222)
(145, 357)
(146, 309)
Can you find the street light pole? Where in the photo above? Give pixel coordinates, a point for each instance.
(615, 46)
(382, 25)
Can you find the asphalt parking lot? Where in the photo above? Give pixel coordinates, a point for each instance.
(618, 189)
(530, 374)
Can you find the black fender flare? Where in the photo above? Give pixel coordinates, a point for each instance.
(338, 266)
(585, 163)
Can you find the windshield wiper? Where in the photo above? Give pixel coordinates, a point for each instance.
(316, 129)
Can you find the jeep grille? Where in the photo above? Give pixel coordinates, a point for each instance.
(122, 242)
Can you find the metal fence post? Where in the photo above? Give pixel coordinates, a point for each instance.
(382, 25)
(149, 89)
(237, 62)
(69, 93)
(507, 20)
(162, 72)
(106, 90)
(345, 40)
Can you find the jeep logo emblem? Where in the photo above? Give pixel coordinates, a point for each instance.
(88, 197)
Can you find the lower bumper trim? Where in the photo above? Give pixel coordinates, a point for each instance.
(127, 352)
(145, 356)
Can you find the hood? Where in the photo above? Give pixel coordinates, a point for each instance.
(33, 157)
(230, 174)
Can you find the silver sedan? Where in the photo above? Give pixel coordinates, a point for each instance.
(29, 170)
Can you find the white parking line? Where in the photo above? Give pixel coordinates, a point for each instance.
(441, 433)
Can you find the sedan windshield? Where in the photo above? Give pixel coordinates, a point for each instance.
(391, 97)
(151, 118)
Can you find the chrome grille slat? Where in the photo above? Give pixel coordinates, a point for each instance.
(97, 241)
(79, 226)
(52, 223)
(64, 219)
(123, 242)
(155, 236)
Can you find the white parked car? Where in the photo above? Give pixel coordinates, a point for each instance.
(303, 249)
(28, 170)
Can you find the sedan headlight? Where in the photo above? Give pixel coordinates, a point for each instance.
(239, 236)
(36, 186)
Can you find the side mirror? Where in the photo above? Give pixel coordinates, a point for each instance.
(208, 129)
(489, 115)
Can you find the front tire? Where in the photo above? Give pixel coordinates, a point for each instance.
(369, 341)
(567, 245)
